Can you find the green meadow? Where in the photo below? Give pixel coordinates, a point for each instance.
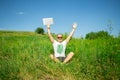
(25, 56)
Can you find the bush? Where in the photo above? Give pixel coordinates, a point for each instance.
(39, 30)
(99, 34)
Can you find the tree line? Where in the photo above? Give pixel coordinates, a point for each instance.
(91, 35)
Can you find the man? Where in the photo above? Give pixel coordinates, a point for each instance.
(60, 46)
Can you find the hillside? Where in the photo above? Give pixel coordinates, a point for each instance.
(25, 56)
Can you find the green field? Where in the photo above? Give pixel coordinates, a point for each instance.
(25, 56)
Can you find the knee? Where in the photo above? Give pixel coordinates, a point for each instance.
(51, 55)
(72, 53)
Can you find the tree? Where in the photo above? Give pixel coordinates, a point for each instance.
(103, 34)
(91, 35)
(109, 25)
(95, 35)
(119, 35)
(39, 30)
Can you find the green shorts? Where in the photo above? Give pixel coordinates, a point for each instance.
(61, 58)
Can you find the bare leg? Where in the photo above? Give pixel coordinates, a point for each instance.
(54, 58)
(69, 57)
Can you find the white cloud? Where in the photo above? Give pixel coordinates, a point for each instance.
(20, 13)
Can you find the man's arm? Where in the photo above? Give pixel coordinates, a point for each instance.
(72, 32)
(49, 34)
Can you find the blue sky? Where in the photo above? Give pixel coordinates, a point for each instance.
(91, 15)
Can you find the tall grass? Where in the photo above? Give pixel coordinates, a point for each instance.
(25, 56)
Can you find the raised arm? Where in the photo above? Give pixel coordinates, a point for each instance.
(49, 34)
(72, 32)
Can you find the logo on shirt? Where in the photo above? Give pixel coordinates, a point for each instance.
(60, 48)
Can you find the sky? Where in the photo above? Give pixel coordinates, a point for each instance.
(90, 15)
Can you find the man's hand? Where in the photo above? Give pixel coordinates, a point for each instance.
(74, 25)
(48, 26)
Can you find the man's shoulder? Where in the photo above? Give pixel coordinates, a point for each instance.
(64, 41)
(54, 42)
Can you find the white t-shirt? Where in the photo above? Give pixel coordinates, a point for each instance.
(59, 48)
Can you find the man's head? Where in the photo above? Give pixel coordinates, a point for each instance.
(59, 37)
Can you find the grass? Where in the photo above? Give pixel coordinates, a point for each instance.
(25, 56)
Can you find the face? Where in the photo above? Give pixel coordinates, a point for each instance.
(59, 37)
